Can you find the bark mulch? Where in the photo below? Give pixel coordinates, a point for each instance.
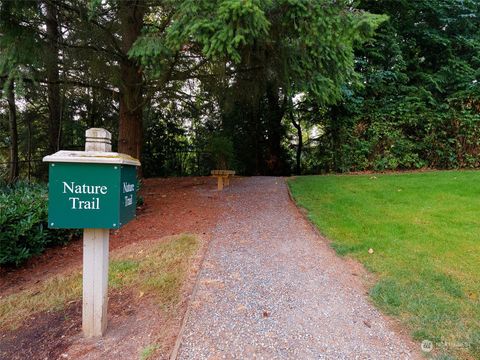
(172, 206)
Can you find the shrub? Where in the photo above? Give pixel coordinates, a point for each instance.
(221, 149)
(23, 223)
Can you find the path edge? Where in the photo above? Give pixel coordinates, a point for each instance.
(393, 323)
(178, 341)
(303, 212)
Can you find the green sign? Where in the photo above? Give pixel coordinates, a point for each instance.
(86, 195)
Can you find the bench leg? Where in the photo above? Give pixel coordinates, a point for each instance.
(227, 181)
(220, 183)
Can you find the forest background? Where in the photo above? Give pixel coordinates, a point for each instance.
(264, 87)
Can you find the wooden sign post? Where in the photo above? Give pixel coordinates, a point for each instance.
(95, 190)
(95, 257)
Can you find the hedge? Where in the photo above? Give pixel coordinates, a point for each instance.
(23, 223)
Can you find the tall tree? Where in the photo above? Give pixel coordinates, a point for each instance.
(130, 134)
(18, 54)
(308, 48)
(53, 76)
(12, 121)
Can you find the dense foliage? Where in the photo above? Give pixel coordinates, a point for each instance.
(294, 85)
(419, 105)
(23, 223)
(165, 76)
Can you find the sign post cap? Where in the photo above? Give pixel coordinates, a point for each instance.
(98, 133)
(98, 139)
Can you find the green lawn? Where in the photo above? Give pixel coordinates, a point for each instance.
(424, 229)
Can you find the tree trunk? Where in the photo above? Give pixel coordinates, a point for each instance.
(28, 120)
(92, 108)
(275, 162)
(130, 135)
(53, 87)
(12, 117)
(298, 126)
(335, 129)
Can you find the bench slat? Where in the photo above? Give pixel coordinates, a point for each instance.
(223, 172)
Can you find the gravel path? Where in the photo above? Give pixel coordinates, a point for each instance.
(271, 288)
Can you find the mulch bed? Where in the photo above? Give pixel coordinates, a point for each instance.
(172, 206)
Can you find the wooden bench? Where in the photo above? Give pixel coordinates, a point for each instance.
(223, 177)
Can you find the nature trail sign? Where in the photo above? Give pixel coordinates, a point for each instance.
(95, 190)
(90, 195)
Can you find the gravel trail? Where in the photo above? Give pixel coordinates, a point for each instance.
(271, 288)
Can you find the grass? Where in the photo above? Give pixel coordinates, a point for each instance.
(159, 272)
(424, 229)
(149, 351)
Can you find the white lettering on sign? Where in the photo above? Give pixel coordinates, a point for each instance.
(84, 188)
(128, 200)
(76, 203)
(128, 187)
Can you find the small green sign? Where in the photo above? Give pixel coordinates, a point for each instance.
(86, 195)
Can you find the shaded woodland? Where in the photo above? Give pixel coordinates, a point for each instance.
(271, 87)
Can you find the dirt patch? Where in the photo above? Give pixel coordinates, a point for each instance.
(54, 335)
(136, 321)
(43, 336)
(134, 324)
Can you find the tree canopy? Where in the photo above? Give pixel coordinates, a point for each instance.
(284, 85)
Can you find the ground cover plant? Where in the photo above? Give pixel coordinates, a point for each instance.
(424, 231)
